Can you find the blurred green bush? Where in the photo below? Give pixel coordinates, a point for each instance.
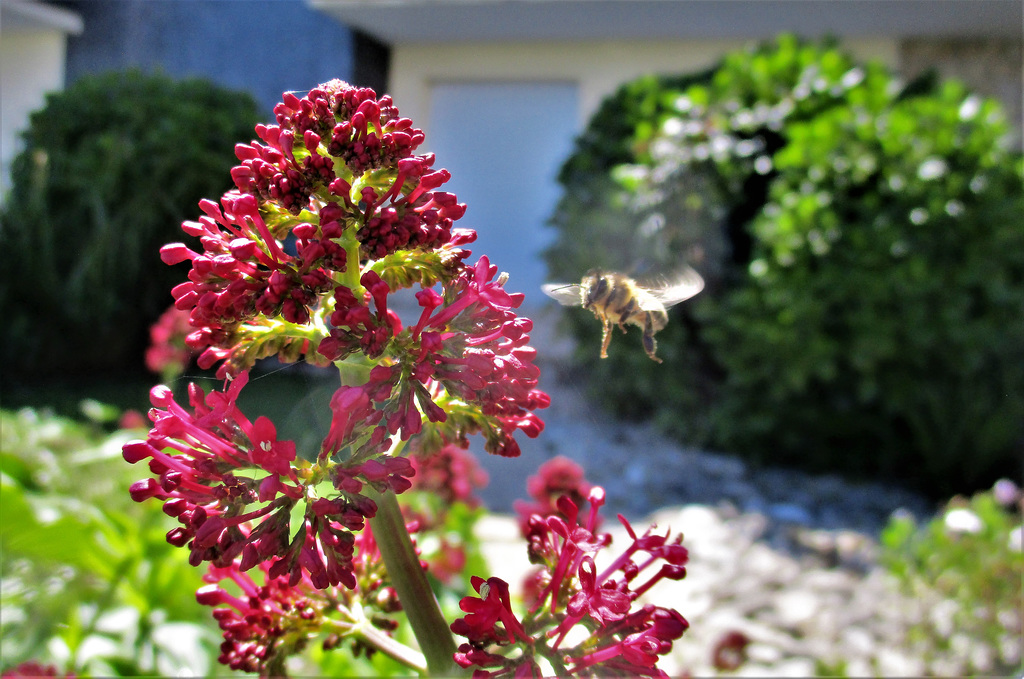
(111, 167)
(594, 206)
(863, 243)
(964, 570)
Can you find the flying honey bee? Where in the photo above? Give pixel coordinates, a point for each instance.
(617, 298)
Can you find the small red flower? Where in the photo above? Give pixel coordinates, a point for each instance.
(167, 354)
(483, 613)
(730, 651)
(269, 453)
(557, 477)
(600, 603)
(451, 473)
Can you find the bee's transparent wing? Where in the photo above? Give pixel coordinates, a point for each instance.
(685, 286)
(567, 294)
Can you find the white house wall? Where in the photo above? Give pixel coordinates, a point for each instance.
(31, 64)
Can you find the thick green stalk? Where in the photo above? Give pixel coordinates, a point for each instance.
(410, 582)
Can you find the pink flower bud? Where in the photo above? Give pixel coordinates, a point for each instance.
(210, 595)
(175, 253)
(135, 451)
(161, 396)
(144, 489)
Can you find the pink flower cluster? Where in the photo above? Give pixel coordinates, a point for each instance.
(622, 638)
(231, 484)
(245, 273)
(450, 474)
(557, 477)
(332, 213)
(337, 179)
(259, 622)
(472, 350)
(263, 624)
(167, 354)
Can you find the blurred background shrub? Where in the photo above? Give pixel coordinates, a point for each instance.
(112, 166)
(594, 206)
(964, 570)
(863, 245)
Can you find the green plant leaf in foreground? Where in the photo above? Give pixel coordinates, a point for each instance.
(89, 581)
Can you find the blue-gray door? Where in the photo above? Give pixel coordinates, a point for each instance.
(504, 143)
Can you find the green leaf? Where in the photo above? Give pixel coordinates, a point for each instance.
(54, 530)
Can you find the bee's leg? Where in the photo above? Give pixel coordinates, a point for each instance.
(626, 314)
(650, 345)
(606, 336)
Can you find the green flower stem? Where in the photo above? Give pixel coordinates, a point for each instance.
(374, 638)
(410, 582)
(353, 270)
